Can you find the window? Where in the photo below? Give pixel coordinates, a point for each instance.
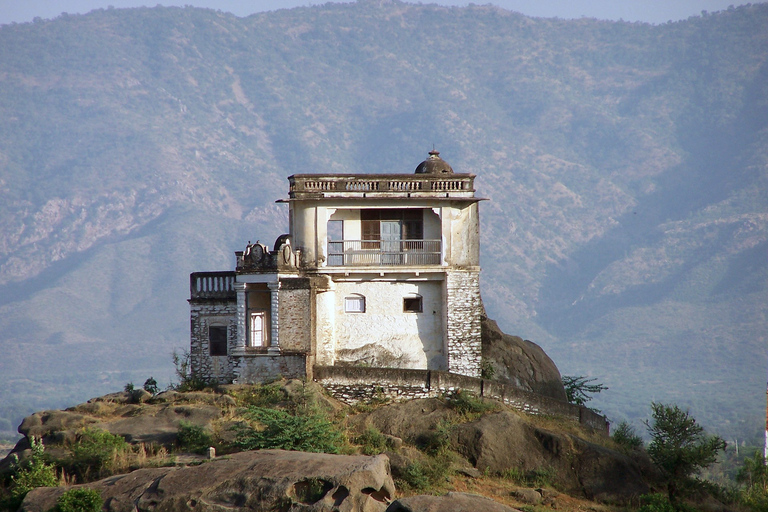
(354, 304)
(258, 329)
(412, 304)
(217, 340)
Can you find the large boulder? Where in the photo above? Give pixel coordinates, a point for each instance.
(520, 362)
(502, 441)
(451, 502)
(252, 481)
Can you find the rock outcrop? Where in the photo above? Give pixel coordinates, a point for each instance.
(258, 480)
(520, 362)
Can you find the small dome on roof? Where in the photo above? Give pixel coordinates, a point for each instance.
(434, 165)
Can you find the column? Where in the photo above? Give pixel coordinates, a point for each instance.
(242, 318)
(274, 305)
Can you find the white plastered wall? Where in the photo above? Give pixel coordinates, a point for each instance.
(384, 335)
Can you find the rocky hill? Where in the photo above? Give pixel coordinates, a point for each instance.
(458, 444)
(625, 164)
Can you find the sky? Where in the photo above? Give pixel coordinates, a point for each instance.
(651, 11)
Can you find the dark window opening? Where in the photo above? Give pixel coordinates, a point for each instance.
(412, 305)
(217, 340)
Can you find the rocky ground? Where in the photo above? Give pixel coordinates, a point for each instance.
(398, 455)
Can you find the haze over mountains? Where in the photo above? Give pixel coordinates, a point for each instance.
(626, 166)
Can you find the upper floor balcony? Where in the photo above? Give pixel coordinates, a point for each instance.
(309, 186)
(383, 253)
(212, 285)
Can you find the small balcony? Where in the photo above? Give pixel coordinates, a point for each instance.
(383, 253)
(212, 286)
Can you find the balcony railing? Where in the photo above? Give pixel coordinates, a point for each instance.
(382, 185)
(212, 285)
(368, 253)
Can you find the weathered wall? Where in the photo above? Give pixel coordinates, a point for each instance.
(386, 336)
(260, 368)
(463, 322)
(355, 384)
(294, 314)
(202, 315)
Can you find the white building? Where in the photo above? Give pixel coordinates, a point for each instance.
(377, 270)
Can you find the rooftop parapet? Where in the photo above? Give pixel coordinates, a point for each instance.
(317, 186)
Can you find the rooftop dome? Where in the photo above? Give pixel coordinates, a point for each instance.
(434, 165)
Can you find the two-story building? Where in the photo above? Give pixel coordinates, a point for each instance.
(377, 270)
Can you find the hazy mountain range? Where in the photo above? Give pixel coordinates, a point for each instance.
(626, 167)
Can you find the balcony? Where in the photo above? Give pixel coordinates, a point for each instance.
(306, 186)
(383, 253)
(212, 286)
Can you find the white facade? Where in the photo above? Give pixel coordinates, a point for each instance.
(377, 270)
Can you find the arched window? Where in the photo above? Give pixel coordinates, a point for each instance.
(354, 303)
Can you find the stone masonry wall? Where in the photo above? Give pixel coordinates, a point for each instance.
(464, 309)
(294, 312)
(202, 315)
(354, 384)
(260, 368)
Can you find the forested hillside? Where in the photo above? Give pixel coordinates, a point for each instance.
(626, 166)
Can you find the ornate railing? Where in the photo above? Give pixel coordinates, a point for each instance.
(212, 285)
(359, 253)
(387, 184)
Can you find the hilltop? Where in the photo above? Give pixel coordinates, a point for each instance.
(458, 443)
(625, 164)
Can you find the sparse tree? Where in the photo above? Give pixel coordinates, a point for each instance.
(679, 447)
(579, 389)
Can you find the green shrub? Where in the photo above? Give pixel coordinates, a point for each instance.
(539, 477)
(32, 473)
(625, 436)
(467, 404)
(436, 441)
(372, 441)
(80, 500)
(655, 503)
(94, 453)
(304, 431)
(261, 396)
(129, 387)
(424, 474)
(193, 438)
(150, 386)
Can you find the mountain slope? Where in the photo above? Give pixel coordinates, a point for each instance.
(625, 166)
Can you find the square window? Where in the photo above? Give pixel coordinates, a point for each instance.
(354, 304)
(217, 340)
(412, 305)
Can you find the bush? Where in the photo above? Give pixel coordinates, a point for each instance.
(80, 500)
(304, 431)
(579, 389)
(467, 404)
(626, 436)
(436, 441)
(421, 475)
(150, 386)
(261, 396)
(372, 441)
(538, 477)
(655, 503)
(95, 453)
(193, 437)
(32, 473)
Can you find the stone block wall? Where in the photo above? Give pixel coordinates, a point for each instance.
(294, 312)
(355, 384)
(260, 368)
(464, 309)
(204, 313)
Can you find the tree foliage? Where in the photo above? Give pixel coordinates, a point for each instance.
(579, 389)
(679, 447)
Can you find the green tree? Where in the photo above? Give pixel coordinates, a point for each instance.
(33, 472)
(753, 475)
(579, 389)
(679, 447)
